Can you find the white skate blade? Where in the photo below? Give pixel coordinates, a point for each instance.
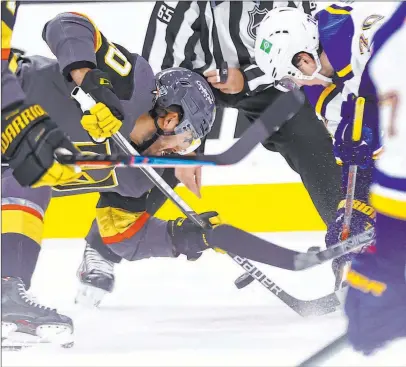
(89, 296)
(56, 335)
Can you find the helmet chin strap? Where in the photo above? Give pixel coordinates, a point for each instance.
(159, 131)
(324, 78)
(147, 143)
(319, 68)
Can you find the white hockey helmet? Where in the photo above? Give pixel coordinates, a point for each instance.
(283, 33)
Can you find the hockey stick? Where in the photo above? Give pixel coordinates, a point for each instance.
(245, 280)
(327, 352)
(316, 307)
(279, 116)
(352, 179)
(281, 110)
(284, 107)
(352, 172)
(245, 244)
(349, 201)
(125, 160)
(254, 135)
(319, 306)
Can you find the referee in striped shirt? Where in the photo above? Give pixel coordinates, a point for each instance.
(201, 35)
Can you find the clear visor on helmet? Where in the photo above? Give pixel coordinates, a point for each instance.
(182, 143)
(186, 126)
(192, 147)
(186, 138)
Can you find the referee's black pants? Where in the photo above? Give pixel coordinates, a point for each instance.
(304, 142)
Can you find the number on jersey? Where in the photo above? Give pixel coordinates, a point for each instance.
(165, 13)
(117, 61)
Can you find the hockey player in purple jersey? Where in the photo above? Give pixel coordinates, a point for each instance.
(376, 300)
(327, 55)
(150, 111)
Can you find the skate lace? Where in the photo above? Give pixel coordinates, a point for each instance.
(97, 263)
(30, 299)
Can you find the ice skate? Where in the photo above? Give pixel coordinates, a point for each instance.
(96, 277)
(26, 322)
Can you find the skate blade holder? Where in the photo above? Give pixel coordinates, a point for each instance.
(89, 296)
(46, 336)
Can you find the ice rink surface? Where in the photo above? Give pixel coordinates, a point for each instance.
(171, 312)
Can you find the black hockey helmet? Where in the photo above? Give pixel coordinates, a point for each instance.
(187, 89)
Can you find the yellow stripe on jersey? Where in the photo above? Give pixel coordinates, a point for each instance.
(22, 220)
(97, 34)
(388, 206)
(8, 17)
(332, 10)
(6, 33)
(345, 71)
(364, 284)
(13, 65)
(326, 92)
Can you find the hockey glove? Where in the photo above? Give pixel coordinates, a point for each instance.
(105, 118)
(348, 152)
(363, 218)
(189, 239)
(29, 140)
(376, 300)
(359, 150)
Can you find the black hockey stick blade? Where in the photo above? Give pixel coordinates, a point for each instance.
(282, 109)
(244, 244)
(316, 307)
(241, 243)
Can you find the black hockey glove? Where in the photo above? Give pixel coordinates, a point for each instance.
(97, 84)
(189, 239)
(29, 139)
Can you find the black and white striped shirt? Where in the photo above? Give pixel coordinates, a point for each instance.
(199, 35)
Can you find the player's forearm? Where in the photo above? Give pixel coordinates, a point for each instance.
(73, 39)
(78, 75)
(11, 91)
